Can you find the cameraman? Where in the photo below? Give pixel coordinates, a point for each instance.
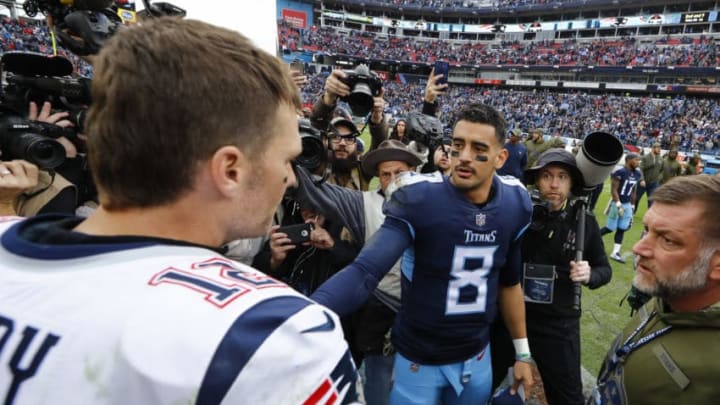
(344, 161)
(548, 252)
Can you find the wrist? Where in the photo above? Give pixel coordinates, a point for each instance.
(329, 99)
(522, 350)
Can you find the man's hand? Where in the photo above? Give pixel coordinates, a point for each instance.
(298, 78)
(432, 88)
(522, 374)
(59, 118)
(16, 177)
(378, 108)
(321, 239)
(280, 244)
(580, 272)
(334, 87)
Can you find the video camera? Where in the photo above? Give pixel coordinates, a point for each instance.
(424, 129)
(314, 153)
(364, 85)
(82, 26)
(38, 78)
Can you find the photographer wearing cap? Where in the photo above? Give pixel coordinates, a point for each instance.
(549, 271)
(343, 133)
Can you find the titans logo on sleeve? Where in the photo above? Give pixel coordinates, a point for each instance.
(451, 273)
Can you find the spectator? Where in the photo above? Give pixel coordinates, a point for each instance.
(517, 156)
(652, 169)
(671, 167)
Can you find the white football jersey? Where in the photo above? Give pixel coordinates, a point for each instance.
(149, 323)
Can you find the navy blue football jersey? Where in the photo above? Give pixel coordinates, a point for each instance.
(459, 254)
(628, 181)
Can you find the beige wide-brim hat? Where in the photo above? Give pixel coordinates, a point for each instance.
(388, 150)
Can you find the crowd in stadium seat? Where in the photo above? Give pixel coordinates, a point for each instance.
(469, 4)
(683, 51)
(689, 122)
(33, 36)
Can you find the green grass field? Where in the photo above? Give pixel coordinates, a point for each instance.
(602, 317)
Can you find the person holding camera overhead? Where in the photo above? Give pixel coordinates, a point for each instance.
(549, 271)
(344, 169)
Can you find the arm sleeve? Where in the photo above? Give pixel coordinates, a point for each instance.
(429, 108)
(321, 114)
(350, 288)
(601, 272)
(339, 204)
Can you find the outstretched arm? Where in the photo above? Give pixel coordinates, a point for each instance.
(350, 288)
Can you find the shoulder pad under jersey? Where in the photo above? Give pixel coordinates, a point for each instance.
(408, 178)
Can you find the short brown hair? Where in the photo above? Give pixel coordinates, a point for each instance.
(166, 95)
(702, 188)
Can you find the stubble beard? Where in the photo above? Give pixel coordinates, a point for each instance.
(693, 279)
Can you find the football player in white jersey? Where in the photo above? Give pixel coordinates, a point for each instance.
(192, 132)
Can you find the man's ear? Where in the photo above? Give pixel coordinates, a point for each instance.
(714, 272)
(229, 168)
(501, 158)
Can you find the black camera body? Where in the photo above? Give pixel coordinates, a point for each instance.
(364, 85)
(314, 152)
(541, 210)
(424, 129)
(38, 78)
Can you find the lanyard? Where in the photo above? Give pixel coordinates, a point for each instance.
(629, 346)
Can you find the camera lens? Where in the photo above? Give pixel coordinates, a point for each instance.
(361, 99)
(42, 151)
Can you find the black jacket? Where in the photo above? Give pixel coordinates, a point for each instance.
(552, 242)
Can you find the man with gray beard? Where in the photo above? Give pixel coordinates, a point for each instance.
(666, 353)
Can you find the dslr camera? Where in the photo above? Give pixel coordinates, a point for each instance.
(37, 78)
(364, 85)
(314, 152)
(424, 129)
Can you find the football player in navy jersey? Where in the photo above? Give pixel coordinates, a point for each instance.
(622, 206)
(459, 241)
